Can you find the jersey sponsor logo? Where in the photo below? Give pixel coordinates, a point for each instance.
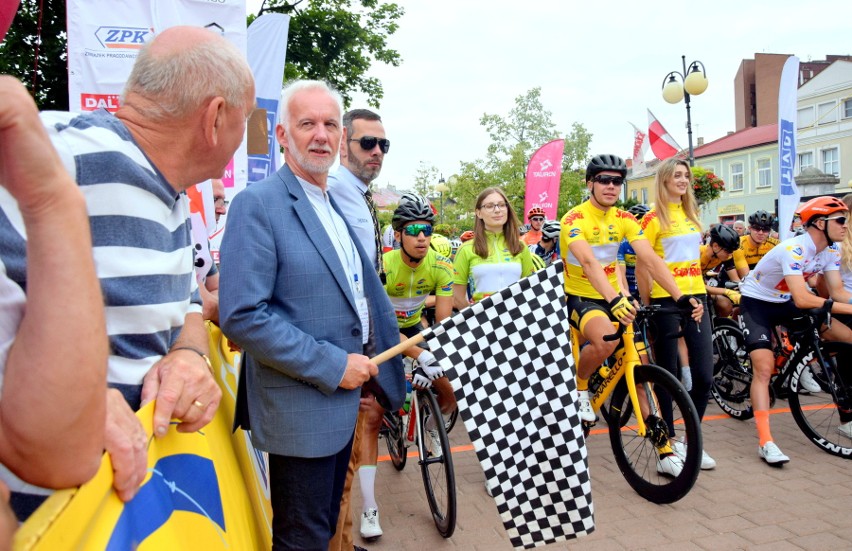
(796, 266)
(575, 232)
(122, 38)
(623, 214)
(797, 252)
(447, 287)
(689, 271)
(571, 216)
(405, 314)
(609, 270)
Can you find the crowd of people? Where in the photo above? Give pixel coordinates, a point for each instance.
(310, 291)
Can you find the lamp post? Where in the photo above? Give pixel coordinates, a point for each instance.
(692, 83)
(441, 188)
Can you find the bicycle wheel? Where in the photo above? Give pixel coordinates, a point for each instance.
(395, 438)
(437, 464)
(731, 372)
(817, 414)
(671, 413)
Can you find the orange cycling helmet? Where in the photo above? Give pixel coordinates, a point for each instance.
(535, 211)
(466, 236)
(819, 207)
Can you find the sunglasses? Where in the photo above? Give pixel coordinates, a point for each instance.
(547, 239)
(839, 219)
(759, 229)
(607, 180)
(367, 143)
(537, 219)
(414, 230)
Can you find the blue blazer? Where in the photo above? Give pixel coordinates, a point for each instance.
(284, 298)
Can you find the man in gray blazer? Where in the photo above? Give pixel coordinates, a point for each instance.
(299, 295)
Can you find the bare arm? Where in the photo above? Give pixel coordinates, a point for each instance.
(460, 296)
(836, 290)
(56, 368)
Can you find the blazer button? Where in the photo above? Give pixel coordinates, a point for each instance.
(356, 332)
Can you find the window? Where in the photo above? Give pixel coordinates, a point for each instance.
(831, 161)
(736, 176)
(764, 173)
(806, 117)
(806, 160)
(847, 108)
(634, 195)
(826, 113)
(644, 196)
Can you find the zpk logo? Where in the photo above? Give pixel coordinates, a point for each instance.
(125, 38)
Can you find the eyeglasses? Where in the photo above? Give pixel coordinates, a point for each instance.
(369, 142)
(606, 180)
(839, 219)
(494, 206)
(414, 230)
(220, 202)
(759, 229)
(537, 219)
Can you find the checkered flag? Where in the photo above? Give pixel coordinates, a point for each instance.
(509, 360)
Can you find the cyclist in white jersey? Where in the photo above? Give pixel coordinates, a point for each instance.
(776, 291)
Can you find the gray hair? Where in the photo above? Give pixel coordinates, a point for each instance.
(178, 82)
(295, 86)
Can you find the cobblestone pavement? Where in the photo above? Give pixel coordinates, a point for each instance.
(742, 504)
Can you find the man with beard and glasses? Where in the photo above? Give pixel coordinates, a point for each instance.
(302, 298)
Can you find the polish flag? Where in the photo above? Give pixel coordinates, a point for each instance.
(662, 143)
(640, 147)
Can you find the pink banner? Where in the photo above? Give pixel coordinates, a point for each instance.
(544, 173)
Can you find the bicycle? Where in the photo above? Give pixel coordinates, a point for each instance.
(637, 441)
(402, 428)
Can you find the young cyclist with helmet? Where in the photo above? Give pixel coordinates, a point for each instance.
(590, 236)
(536, 217)
(720, 255)
(414, 272)
(547, 249)
(757, 242)
(674, 231)
(776, 291)
(496, 257)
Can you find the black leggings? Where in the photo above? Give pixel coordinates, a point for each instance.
(698, 344)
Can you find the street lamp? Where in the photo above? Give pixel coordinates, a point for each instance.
(441, 188)
(694, 83)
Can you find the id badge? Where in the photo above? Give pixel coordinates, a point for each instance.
(364, 314)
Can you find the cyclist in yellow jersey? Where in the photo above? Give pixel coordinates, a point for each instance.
(414, 271)
(673, 229)
(590, 237)
(495, 257)
(757, 242)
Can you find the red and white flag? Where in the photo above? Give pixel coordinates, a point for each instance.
(640, 147)
(662, 143)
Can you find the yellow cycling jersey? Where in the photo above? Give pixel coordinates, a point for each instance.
(679, 247)
(494, 273)
(603, 231)
(713, 263)
(408, 287)
(752, 252)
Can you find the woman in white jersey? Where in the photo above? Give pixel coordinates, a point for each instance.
(674, 231)
(495, 257)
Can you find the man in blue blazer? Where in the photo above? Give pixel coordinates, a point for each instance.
(301, 298)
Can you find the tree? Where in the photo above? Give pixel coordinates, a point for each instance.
(515, 138)
(426, 179)
(336, 42)
(17, 52)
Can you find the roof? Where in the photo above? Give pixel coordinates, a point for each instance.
(749, 137)
(385, 197)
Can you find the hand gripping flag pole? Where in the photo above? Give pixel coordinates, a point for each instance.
(509, 360)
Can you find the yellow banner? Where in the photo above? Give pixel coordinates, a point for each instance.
(205, 490)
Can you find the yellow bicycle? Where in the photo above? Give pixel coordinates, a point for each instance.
(623, 387)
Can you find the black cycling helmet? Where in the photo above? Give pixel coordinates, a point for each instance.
(413, 208)
(550, 229)
(725, 236)
(600, 163)
(638, 211)
(761, 219)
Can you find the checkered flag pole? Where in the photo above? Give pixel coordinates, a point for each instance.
(509, 360)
